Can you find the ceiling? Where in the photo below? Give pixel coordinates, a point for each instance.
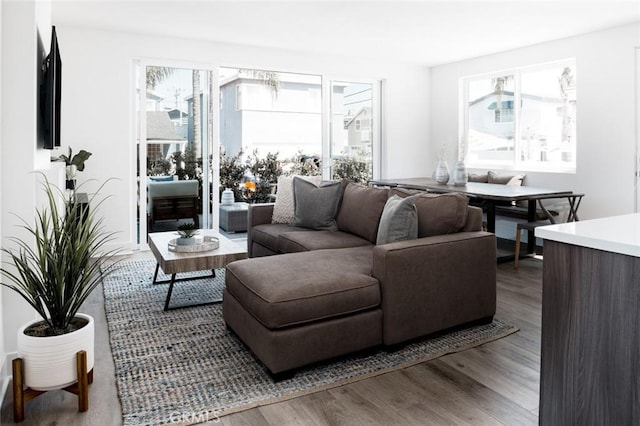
(425, 32)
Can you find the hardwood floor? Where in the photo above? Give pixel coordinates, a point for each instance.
(497, 383)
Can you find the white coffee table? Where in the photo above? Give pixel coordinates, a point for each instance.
(174, 262)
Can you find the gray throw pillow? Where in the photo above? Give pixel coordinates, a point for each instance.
(316, 206)
(399, 221)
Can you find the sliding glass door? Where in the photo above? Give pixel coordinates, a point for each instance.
(174, 145)
(354, 135)
(266, 123)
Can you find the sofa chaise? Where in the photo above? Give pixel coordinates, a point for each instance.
(309, 295)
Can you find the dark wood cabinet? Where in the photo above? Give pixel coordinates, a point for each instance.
(590, 355)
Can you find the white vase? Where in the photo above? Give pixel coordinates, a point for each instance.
(71, 171)
(227, 197)
(442, 172)
(50, 362)
(460, 176)
(184, 241)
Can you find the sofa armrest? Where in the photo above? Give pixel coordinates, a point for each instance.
(474, 219)
(434, 283)
(258, 214)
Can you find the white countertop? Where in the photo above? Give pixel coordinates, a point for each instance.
(617, 234)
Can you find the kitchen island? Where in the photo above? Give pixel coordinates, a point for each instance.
(590, 355)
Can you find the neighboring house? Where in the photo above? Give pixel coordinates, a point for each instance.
(180, 120)
(253, 116)
(541, 120)
(153, 101)
(359, 134)
(162, 138)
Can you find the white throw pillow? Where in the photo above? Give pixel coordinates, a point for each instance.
(284, 209)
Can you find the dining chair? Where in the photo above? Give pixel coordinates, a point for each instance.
(572, 216)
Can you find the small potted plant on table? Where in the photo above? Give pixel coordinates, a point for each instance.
(187, 233)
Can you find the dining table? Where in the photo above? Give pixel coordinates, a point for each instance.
(491, 194)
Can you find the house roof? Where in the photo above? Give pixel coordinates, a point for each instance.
(365, 110)
(160, 127)
(176, 114)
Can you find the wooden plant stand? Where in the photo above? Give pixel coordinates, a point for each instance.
(22, 394)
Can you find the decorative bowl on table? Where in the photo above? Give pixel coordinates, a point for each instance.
(205, 243)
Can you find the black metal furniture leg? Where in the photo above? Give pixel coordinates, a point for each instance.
(155, 275)
(166, 302)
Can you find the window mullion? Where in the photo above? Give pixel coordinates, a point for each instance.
(517, 99)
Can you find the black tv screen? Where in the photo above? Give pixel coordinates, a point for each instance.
(50, 94)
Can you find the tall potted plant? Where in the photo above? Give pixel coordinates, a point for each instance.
(55, 270)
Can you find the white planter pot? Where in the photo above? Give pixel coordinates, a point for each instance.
(227, 198)
(50, 362)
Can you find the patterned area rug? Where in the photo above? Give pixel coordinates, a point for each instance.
(184, 366)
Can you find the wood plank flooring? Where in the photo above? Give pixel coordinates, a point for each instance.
(494, 384)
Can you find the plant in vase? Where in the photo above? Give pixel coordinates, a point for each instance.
(74, 163)
(55, 269)
(187, 232)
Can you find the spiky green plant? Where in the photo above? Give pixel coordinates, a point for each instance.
(188, 230)
(57, 269)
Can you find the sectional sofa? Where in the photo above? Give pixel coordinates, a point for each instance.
(308, 295)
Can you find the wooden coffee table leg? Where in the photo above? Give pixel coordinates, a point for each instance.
(166, 302)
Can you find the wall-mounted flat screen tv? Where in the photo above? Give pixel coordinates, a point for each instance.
(50, 94)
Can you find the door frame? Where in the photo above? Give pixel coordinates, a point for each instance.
(138, 155)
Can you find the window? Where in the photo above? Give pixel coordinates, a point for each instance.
(275, 112)
(351, 147)
(284, 113)
(522, 119)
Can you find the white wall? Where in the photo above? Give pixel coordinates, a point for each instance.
(97, 90)
(20, 157)
(3, 375)
(605, 113)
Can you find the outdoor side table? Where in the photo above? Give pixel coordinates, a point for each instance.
(233, 217)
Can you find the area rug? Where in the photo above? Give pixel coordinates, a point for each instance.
(185, 366)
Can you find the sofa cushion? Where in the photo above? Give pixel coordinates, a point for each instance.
(316, 206)
(169, 178)
(399, 221)
(482, 178)
(360, 210)
(284, 208)
(440, 213)
(292, 289)
(514, 180)
(403, 192)
(267, 234)
(297, 241)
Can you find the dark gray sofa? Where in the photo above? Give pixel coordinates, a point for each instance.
(306, 295)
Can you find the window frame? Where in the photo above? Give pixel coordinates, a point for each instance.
(517, 163)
